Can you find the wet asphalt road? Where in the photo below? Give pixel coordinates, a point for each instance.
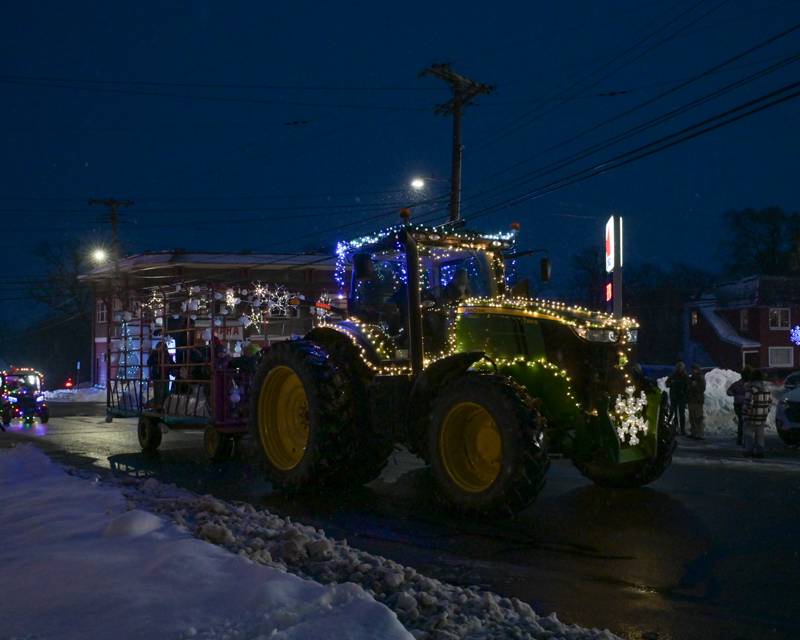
(708, 551)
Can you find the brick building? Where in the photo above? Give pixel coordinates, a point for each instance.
(306, 275)
(748, 321)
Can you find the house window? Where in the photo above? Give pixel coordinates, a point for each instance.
(781, 357)
(694, 318)
(744, 320)
(750, 358)
(779, 319)
(102, 315)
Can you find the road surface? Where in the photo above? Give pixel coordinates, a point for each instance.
(708, 551)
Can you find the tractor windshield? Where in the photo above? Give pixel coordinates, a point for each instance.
(452, 275)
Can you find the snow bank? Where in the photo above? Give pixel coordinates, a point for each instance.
(718, 407)
(92, 394)
(176, 584)
(76, 563)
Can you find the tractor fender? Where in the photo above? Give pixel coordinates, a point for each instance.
(330, 334)
(425, 388)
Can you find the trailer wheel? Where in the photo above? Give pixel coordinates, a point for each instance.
(45, 417)
(636, 474)
(218, 446)
(300, 415)
(6, 417)
(149, 434)
(486, 446)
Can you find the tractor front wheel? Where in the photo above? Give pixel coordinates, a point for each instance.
(636, 474)
(149, 434)
(486, 445)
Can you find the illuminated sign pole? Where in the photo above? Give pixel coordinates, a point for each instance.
(614, 263)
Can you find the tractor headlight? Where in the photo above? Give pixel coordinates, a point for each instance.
(13, 400)
(40, 398)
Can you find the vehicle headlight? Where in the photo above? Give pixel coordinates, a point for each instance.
(13, 400)
(40, 398)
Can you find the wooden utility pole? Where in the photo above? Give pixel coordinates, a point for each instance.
(464, 92)
(113, 217)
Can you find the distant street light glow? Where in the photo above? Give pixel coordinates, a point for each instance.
(417, 184)
(99, 255)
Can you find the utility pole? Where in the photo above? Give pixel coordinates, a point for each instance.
(464, 92)
(113, 217)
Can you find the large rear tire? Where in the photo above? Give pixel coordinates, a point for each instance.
(149, 434)
(637, 474)
(301, 414)
(486, 445)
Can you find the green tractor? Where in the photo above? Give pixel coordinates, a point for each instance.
(438, 354)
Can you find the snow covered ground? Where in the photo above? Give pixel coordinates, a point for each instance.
(718, 407)
(91, 394)
(131, 558)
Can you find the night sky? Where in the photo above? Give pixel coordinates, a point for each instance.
(264, 126)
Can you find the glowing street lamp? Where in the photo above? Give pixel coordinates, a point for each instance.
(99, 255)
(417, 184)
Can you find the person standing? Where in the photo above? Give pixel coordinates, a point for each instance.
(757, 403)
(159, 366)
(678, 384)
(737, 390)
(696, 396)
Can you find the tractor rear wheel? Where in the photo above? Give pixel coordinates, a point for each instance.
(636, 474)
(301, 413)
(486, 445)
(149, 434)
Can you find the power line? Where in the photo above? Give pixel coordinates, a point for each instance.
(684, 135)
(210, 98)
(528, 118)
(215, 85)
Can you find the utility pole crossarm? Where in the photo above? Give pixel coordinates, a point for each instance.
(113, 217)
(465, 90)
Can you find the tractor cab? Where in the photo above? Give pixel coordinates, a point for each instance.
(446, 267)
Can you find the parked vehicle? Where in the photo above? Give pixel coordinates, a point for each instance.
(787, 415)
(438, 354)
(792, 381)
(22, 396)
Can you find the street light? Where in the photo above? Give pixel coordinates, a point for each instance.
(417, 184)
(99, 255)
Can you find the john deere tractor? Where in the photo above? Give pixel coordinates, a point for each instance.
(438, 353)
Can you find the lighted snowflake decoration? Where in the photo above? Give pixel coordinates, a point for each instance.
(794, 335)
(630, 412)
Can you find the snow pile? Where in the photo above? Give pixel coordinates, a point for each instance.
(431, 609)
(718, 406)
(91, 394)
(76, 564)
(248, 600)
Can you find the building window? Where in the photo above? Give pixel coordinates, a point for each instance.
(694, 318)
(779, 318)
(102, 315)
(744, 320)
(750, 358)
(781, 357)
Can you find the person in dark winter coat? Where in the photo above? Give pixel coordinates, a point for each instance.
(696, 396)
(737, 391)
(159, 366)
(757, 403)
(678, 384)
